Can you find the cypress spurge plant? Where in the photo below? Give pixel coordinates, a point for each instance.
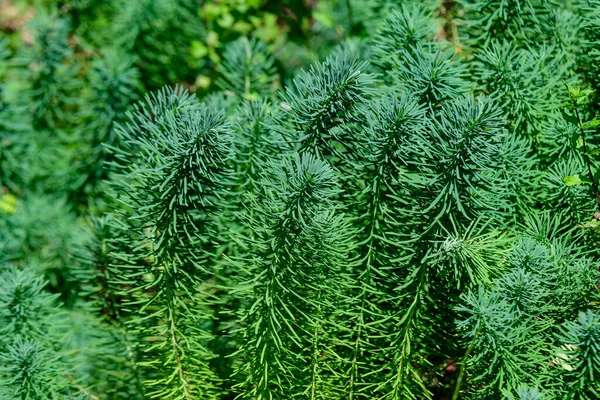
(520, 314)
(30, 371)
(97, 271)
(393, 121)
(516, 20)
(578, 355)
(515, 77)
(402, 31)
(167, 212)
(431, 74)
(460, 152)
(324, 99)
(297, 260)
(26, 308)
(50, 72)
(248, 69)
(33, 338)
(115, 85)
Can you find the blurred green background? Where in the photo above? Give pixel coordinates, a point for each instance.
(297, 32)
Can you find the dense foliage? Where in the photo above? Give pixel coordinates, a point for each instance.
(360, 200)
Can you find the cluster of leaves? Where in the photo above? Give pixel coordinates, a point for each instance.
(414, 217)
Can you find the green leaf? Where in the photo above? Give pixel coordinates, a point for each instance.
(198, 49)
(8, 203)
(211, 11)
(577, 95)
(593, 224)
(226, 21)
(591, 124)
(324, 19)
(242, 27)
(572, 180)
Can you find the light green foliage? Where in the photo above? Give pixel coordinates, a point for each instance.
(524, 393)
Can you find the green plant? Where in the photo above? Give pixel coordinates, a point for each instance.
(413, 217)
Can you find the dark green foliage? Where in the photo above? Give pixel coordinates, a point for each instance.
(323, 98)
(248, 69)
(29, 372)
(517, 20)
(579, 356)
(431, 74)
(414, 215)
(159, 33)
(115, 84)
(402, 31)
(50, 72)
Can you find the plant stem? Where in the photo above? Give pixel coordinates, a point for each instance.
(315, 359)
(586, 156)
(82, 389)
(174, 339)
(350, 15)
(463, 366)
